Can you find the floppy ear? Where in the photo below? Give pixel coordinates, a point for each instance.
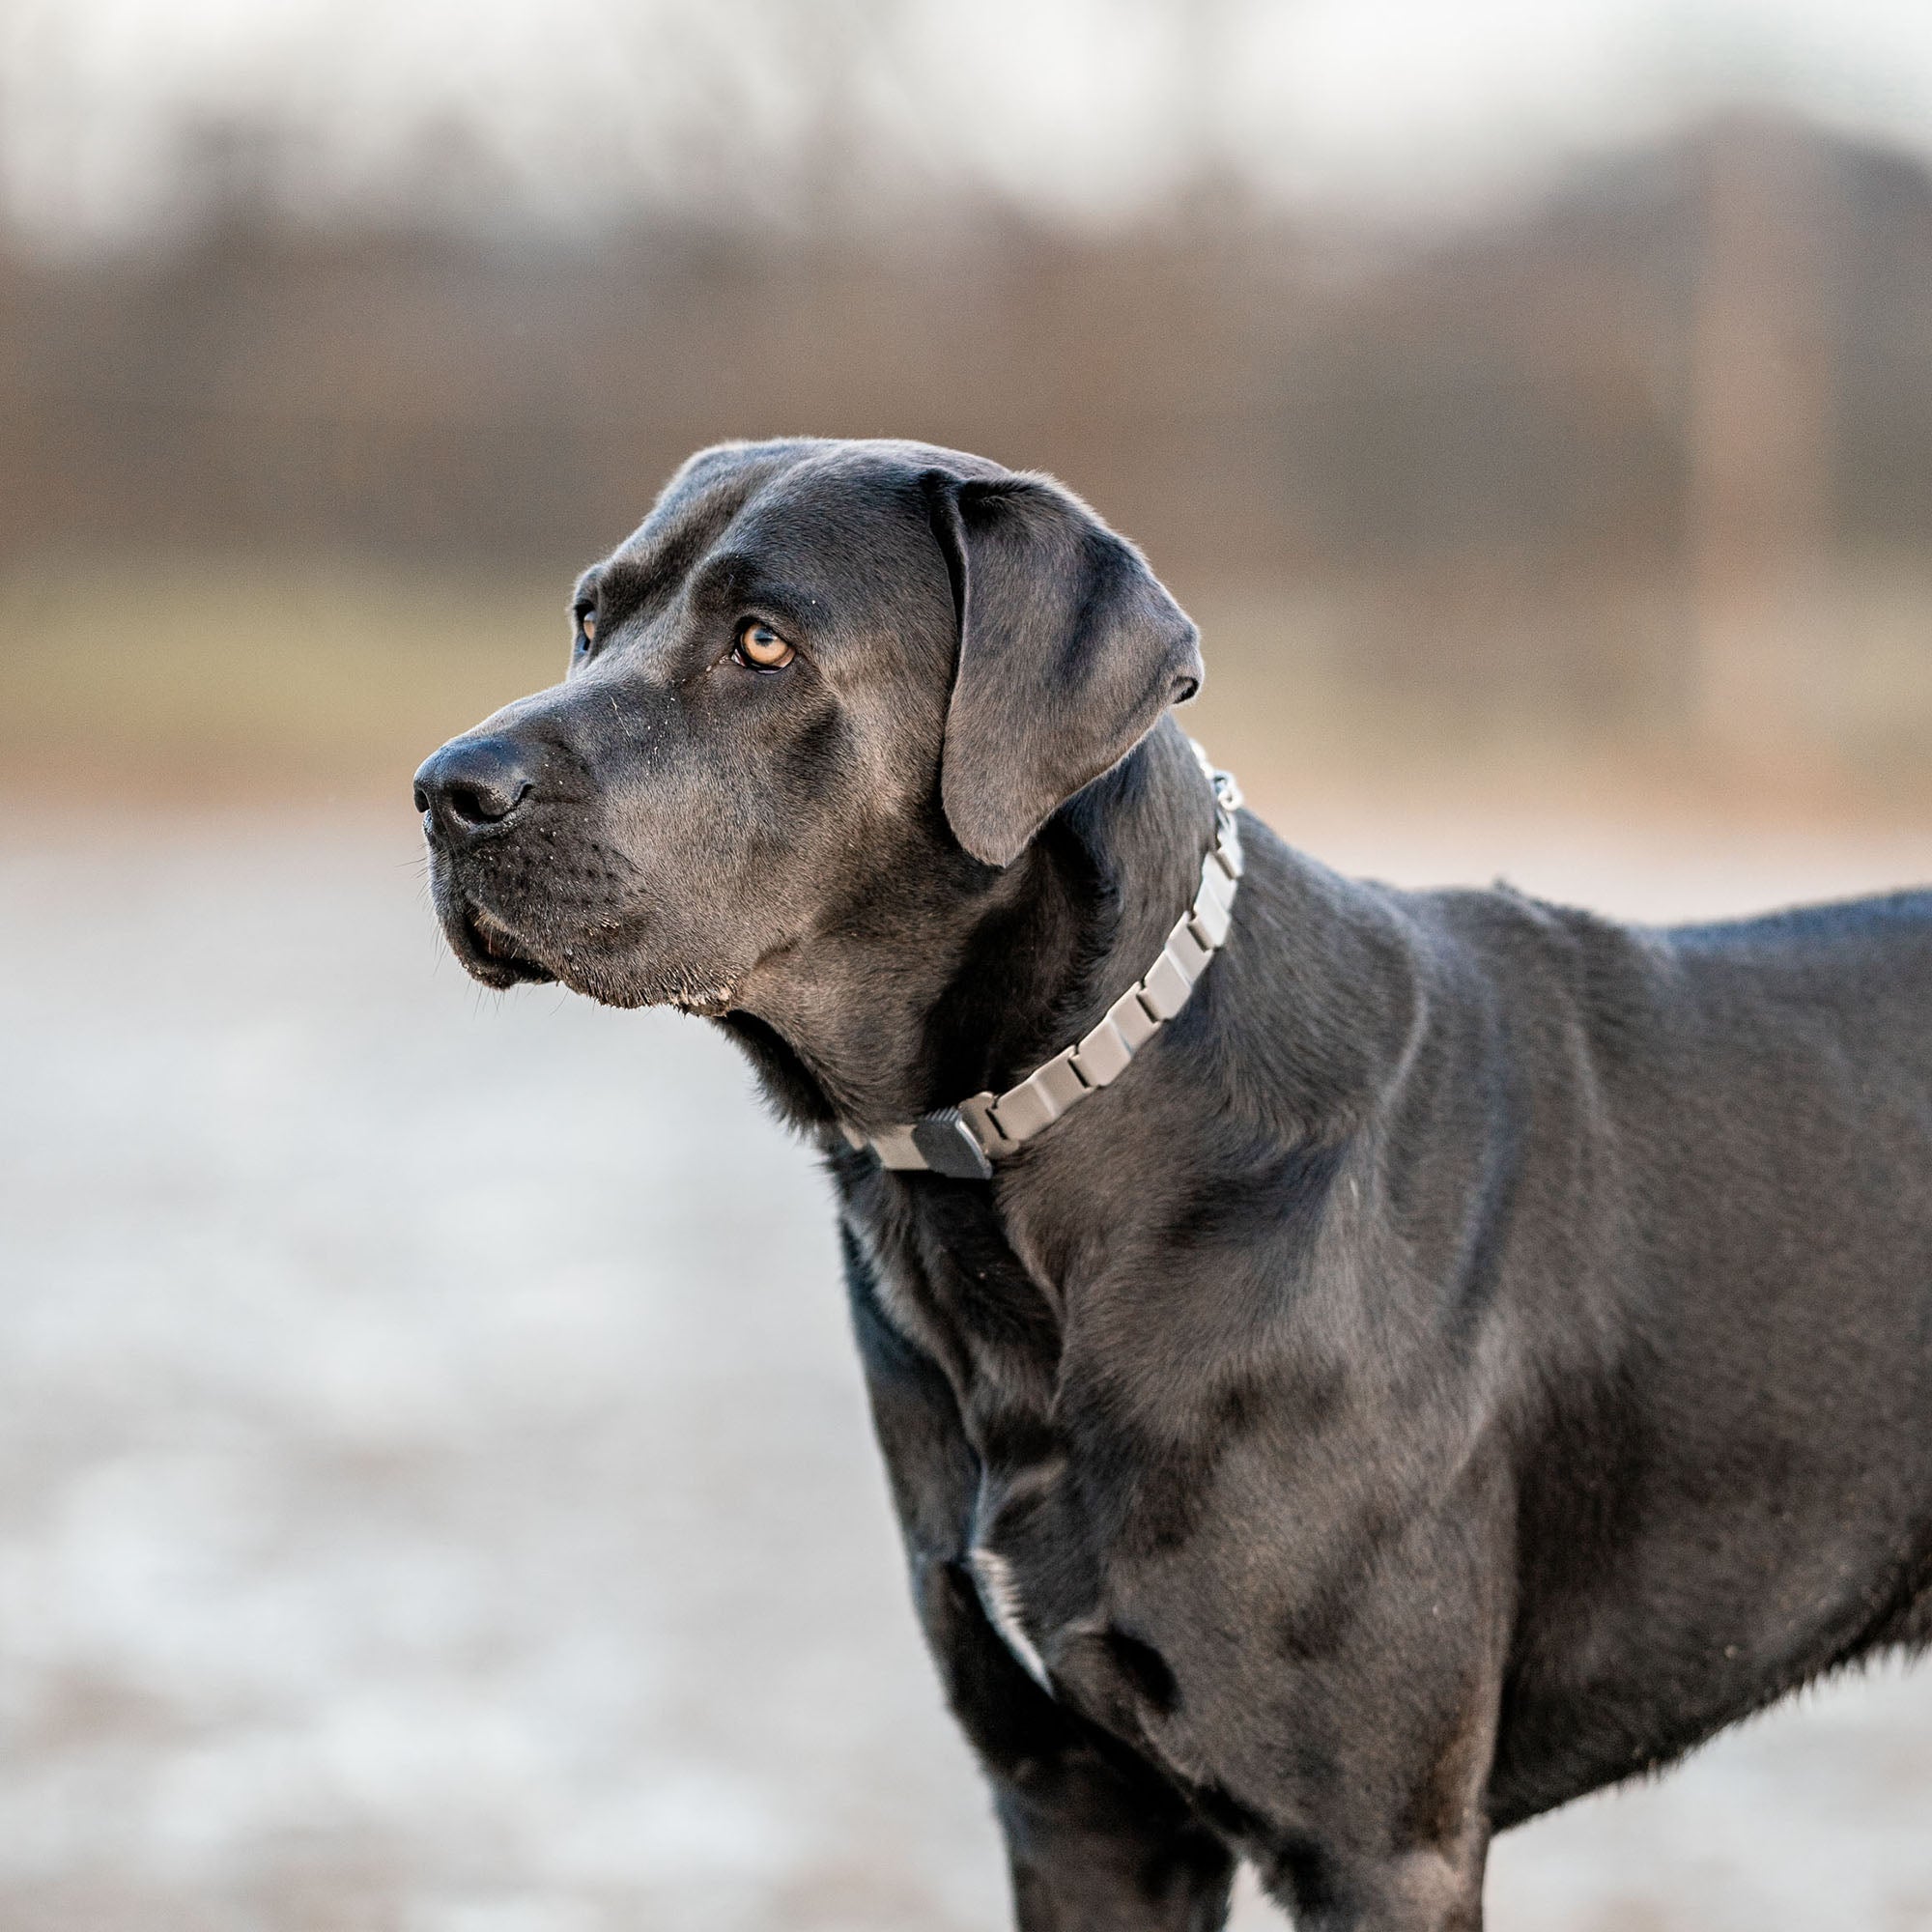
(1069, 651)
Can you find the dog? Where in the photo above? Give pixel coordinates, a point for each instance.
(1356, 1368)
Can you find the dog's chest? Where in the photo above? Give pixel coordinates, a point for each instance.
(1046, 1514)
(950, 1287)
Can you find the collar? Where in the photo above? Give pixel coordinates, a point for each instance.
(963, 1142)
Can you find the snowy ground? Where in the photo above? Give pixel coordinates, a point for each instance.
(435, 1491)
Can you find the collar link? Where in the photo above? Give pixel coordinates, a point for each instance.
(963, 1142)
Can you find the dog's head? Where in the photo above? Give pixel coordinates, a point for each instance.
(827, 688)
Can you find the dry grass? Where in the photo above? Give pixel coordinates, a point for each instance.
(205, 681)
(174, 680)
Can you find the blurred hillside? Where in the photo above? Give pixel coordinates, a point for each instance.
(1646, 463)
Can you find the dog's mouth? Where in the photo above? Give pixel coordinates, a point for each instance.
(489, 949)
(600, 961)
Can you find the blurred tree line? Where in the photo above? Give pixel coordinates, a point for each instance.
(1662, 440)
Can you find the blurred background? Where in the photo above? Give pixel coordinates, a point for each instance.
(413, 1521)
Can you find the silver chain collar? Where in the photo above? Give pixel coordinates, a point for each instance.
(963, 1142)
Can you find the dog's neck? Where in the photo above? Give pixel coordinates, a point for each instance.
(884, 1023)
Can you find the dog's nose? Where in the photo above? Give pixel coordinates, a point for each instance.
(472, 783)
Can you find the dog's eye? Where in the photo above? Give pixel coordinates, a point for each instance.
(763, 649)
(586, 626)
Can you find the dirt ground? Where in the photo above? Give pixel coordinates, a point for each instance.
(435, 1490)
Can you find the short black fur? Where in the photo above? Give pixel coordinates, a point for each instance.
(1476, 1351)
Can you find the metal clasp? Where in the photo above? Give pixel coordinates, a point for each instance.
(949, 1147)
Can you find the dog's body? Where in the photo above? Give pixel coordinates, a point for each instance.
(1474, 1354)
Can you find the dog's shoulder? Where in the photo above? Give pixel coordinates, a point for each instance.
(1519, 951)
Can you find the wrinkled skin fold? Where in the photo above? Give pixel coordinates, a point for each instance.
(1475, 1353)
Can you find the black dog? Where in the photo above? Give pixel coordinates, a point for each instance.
(1474, 1354)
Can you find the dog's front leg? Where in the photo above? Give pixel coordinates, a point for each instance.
(1097, 1839)
(1419, 1891)
(1372, 1812)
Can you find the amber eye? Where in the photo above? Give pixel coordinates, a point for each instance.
(763, 649)
(586, 623)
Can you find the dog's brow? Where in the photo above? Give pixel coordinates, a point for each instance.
(729, 573)
(627, 581)
(634, 578)
(733, 578)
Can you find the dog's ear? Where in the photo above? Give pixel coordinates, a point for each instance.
(1069, 650)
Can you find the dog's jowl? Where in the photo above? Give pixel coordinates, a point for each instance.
(1358, 1368)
